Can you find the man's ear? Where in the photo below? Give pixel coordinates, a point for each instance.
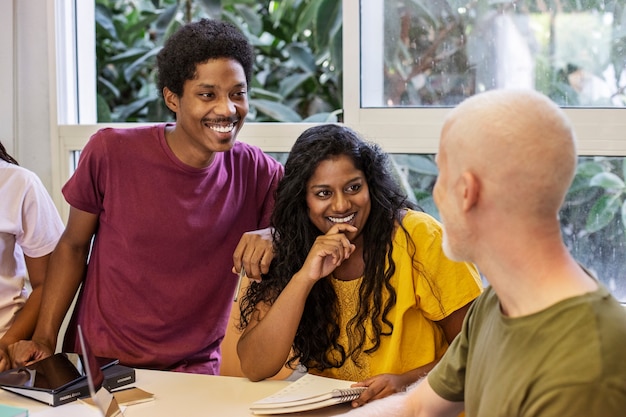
(171, 99)
(471, 190)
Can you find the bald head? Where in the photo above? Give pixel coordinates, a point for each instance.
(520, 146)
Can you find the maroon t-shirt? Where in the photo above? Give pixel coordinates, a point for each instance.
(159, 285)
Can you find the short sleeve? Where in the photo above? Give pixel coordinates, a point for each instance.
(41, 224)
(447, 378)
(442, 286)
(85, 188)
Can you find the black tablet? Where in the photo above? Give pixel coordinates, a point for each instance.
(50, 374)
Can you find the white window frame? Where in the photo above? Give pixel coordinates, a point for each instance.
(397, 130)
(76, 78)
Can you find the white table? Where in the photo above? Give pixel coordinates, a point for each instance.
(178, 394)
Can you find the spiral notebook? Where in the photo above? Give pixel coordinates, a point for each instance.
(310, 392)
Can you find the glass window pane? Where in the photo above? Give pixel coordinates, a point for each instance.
(438, 52)
(593, 218)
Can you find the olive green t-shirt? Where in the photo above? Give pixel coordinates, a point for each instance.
(567, 360)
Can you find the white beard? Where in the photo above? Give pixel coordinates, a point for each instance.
(447, 249)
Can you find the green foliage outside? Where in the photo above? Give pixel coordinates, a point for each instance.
(298, 45)
(593, 218)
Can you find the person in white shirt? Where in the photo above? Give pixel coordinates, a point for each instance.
(30, 227)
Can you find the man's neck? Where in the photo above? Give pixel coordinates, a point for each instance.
(538, 285)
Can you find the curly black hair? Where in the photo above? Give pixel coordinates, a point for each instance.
(315, 345)
(196, 43)
(5, 155)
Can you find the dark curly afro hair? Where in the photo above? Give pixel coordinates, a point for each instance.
(196, 43)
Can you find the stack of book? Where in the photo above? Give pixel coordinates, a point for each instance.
(61, 378)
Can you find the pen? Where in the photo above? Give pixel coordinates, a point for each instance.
(242, 274)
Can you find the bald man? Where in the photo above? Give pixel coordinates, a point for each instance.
(546, 339)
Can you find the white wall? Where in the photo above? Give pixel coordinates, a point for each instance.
(7, 77)
(27, 112)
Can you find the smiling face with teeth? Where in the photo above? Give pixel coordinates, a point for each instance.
(209, 113)
(337, 192)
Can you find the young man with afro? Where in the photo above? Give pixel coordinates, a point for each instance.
(157, 213)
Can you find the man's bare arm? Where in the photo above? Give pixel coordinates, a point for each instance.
(420, 400)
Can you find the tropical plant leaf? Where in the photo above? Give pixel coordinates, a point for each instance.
(128, 55)
(105, 21)
(325, 117)
(420, 164)
(110, 87)
(589, 169)
(580, 192)
(289, 84)
(212, 7)
(136, 106)
(136, 66)
(602, 212)
(166, 18)
(252, 19)
(402, 180)
(608, 181)
(307, 16)
(336, 51)
(302, 57)
(259, 93)
(276, 111)
(326, 21)
(425, 166)
(143, 24)
(104, 112)
(279, 10)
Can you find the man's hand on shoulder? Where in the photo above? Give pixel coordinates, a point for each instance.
(254, 253)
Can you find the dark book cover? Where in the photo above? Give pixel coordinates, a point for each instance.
(58, 380)
(117, 376)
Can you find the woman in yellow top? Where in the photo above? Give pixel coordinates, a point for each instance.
(359, 287)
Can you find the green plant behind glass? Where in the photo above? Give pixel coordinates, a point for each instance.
(593, 217)
(438, 52)
(297, 75)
